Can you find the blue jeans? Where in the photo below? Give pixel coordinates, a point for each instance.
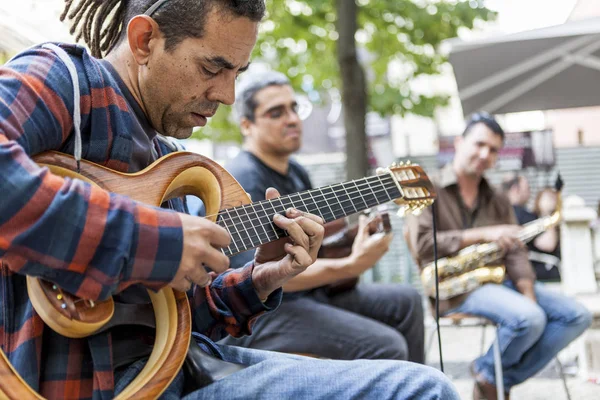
(272, 375)
(373, 321)
(530, 334)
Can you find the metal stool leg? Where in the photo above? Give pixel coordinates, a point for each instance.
(482, 339)
(429, 342)
(498, 368)
(563, 377)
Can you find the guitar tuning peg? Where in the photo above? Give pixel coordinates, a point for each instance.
(408, 162)
(394, 165)
(381, 171)
(403, 210)
(417, 211)
(401, 163)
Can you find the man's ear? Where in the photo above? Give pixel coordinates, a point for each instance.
(245, 126)
(142, 31)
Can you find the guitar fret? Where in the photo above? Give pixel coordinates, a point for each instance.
(269, 222)
(321, 213)
(373, 202)
(278, 231)
(393, 191)
(245, 208)
(246, 230)
(304, 206)
(325, 194)
(315, 209)
(233, 239)
(221, 222)
(330, 206)
(349, 198)
(360, 195)
(283, 207)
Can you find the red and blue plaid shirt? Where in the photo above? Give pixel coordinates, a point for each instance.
(88, 241)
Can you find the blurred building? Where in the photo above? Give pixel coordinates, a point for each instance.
(577, 126)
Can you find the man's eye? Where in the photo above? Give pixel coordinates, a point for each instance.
(275, 114)
(209, 73)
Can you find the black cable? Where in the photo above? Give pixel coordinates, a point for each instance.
(437, 286)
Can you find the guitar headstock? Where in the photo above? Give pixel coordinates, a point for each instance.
(417, 191)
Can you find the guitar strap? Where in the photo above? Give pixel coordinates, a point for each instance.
(76, 98)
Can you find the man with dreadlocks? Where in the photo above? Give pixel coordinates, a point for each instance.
(157, 69)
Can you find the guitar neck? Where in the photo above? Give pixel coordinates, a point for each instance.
(252, 225)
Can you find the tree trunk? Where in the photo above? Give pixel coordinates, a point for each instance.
(354, 93)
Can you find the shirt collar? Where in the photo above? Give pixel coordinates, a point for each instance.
(448, 178)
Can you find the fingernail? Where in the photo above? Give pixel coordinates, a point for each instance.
(293, 212)
(277, 216)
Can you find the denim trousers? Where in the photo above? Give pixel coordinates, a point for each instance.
(371, 321)
(272, 375)
(530, 334)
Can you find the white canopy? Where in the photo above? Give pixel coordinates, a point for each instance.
(549, 68)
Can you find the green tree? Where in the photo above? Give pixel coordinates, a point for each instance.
(397, 41)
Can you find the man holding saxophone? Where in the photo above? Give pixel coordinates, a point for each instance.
(534, 324)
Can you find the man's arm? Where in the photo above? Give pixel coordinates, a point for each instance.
(367, 249)
(547, 241)
(90, 242)
(451, 241)
(420, 234)
(246, 293)
(230, 305)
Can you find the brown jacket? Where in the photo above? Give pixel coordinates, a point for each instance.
(492, 208)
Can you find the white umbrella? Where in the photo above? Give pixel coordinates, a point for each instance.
(542, 69)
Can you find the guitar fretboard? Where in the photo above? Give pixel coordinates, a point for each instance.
(252, 225)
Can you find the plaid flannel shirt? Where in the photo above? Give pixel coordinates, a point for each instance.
(89, 242)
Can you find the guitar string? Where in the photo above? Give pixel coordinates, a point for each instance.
(273, 234)
(341, 208)
(250, 240)
(390, 186)
(376, 179)
(251, 211)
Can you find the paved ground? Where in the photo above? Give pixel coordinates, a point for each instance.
(462, 345)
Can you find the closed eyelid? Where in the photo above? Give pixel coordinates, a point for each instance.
(222, 63)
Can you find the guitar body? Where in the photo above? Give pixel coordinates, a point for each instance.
(338, 242)
(172, 176)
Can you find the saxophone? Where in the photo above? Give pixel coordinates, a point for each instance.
(472, 266)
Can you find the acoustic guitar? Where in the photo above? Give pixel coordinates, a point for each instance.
(249, 224)
(338, 242)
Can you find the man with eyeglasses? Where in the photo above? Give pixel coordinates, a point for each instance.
(534, 324)
(157, 69)
(372, 321)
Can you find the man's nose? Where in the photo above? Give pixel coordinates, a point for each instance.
(223, 91)
(292, 117)
(484, 152)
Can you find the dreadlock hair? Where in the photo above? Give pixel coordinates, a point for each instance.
(103, 23)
